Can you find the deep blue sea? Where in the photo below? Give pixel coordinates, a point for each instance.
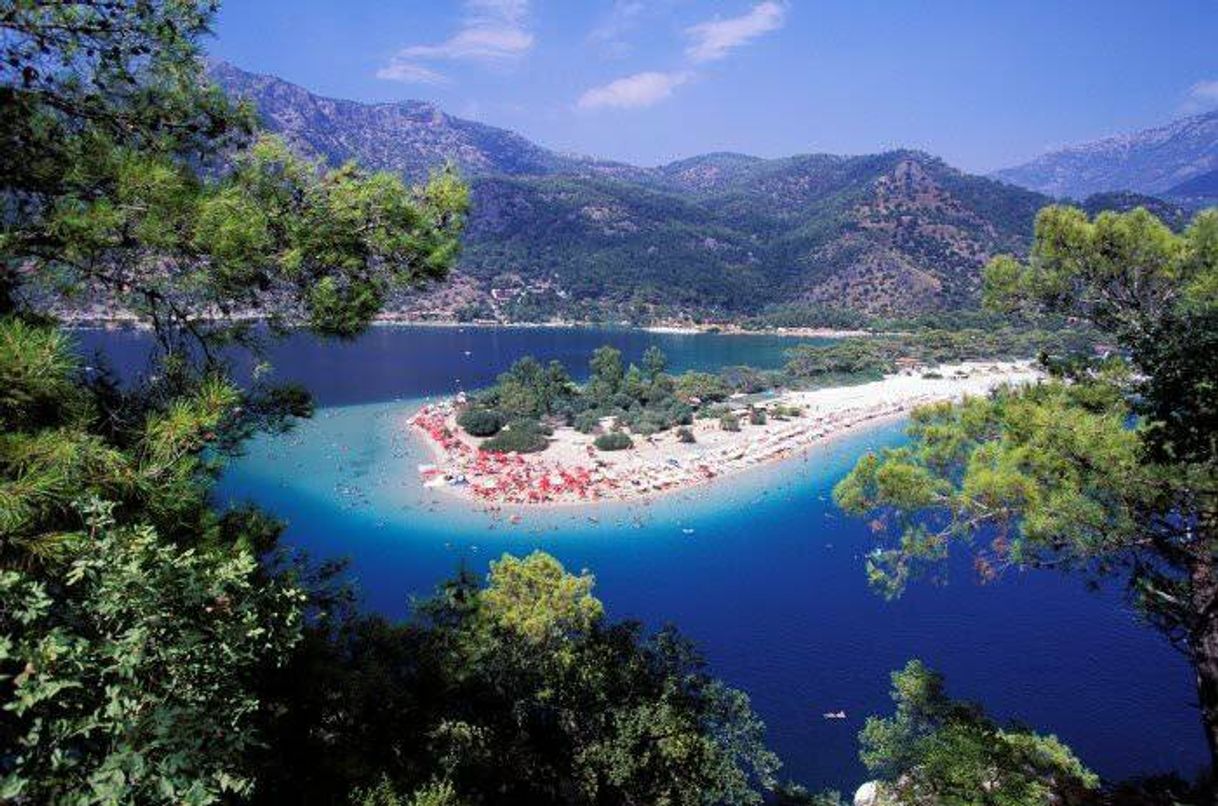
(770, 583)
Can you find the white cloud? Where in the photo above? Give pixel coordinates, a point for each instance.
(610, 35)
(638, 90)
(410, 73)
(717, 38)
(1201, 96)
(492, 32)
(709, 41)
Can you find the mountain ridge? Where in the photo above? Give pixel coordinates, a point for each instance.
(719, 235)
(1151, 161)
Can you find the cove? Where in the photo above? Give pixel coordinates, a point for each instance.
(770, 582)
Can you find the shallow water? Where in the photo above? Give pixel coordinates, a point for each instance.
(769, 583)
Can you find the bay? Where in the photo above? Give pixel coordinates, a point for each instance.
(759, 569)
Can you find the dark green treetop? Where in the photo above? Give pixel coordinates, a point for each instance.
(938, 750)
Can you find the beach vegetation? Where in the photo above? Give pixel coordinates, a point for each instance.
(481, 422)
(729, 422)
(529, 390)
(613, 441)
(646, 400)
(702, 386)
(785, 411)
(586, 422)
(864, 358)
(685, 434)
(607, 374)
(518, 436)
(654, 363)
(750, 380)
(757, 416)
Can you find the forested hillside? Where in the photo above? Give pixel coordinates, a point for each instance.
(715, 236)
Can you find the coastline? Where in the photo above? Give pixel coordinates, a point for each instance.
(135, 323)
(736, 330)
(644, 498)
(570, 472)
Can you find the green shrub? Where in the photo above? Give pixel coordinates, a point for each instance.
(729, 422)
(522, 436)
(649, 421)
(586, 422)
(679, 413)
(644, 428)
(685, 434)
(702, 385)
(758, 417)
(481, 422)
(613, 441)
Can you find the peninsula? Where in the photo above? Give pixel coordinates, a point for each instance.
(611, 460)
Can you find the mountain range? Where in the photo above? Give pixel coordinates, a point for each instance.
(717, 236)
(1178, 161)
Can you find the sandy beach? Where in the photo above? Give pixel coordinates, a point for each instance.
(732, 329)
(572, 471)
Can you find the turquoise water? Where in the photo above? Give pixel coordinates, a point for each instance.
(770, 582)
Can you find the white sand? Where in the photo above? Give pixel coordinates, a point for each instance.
(572, 471)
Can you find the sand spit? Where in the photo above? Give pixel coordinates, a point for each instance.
(572, 471)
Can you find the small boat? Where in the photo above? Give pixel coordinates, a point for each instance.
(834, 715)
(687, 531)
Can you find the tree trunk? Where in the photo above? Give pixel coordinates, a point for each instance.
(1203, 645)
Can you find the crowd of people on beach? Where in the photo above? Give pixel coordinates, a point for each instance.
(512, 478)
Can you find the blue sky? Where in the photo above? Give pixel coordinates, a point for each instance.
(984, 84)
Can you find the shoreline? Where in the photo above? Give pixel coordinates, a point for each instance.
(643, 498)
(570, 472)
(137, 324)
(784, 332)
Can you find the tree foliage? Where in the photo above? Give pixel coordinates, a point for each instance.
(127, 176)
(519, 691)
(647, 400)
(135, 619)
(520, 436)
(480, 422)
(613, 441)
(1109, 466)
(937, 750)
(126, 676)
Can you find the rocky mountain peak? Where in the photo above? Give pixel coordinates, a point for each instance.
(1151, 161)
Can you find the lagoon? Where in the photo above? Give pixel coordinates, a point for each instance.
(769, 582)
